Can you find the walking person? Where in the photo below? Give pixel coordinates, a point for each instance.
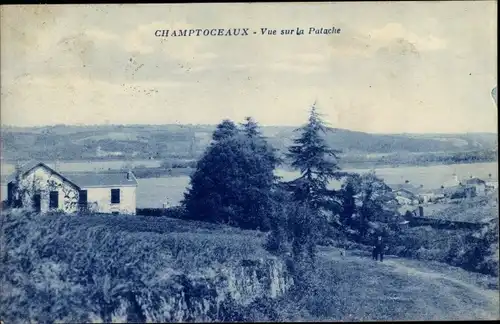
(379, 246)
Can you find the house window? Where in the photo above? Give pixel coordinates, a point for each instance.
(54, 200)
(115, 196)
(82, 198)
(10, 193)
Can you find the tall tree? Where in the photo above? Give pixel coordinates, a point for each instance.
(233, 182)
(348, 194)
(251, 129)
(318, 165)
(227, 128)
(316, 161)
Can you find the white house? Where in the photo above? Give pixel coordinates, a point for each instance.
(431, 196)
(406, 194)
(45, 189)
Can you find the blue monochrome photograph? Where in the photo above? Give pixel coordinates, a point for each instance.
(249, 162)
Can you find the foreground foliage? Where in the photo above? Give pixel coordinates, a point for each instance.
(125, 268)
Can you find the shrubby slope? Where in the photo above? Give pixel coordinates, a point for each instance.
(125, 268)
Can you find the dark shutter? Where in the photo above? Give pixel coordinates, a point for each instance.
(54, 200)
(115, 196)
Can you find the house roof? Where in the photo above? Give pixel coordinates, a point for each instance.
(411, 193)
(24, 168)
(475, 181)
(101, 179)
(28, 166)
(407, 187)
(438, 191)
(85, 179)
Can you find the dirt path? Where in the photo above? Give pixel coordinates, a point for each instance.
(438, 292)
(429, 274)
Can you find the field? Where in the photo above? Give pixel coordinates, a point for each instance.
(67, 142)
(77, 166)
(68, 268)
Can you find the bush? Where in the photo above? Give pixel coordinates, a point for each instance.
(472, 251)
(77, 268)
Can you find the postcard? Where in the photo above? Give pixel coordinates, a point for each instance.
(243, 162)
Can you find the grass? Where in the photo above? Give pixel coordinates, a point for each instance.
(355, 288)
(69, 267)
(459, 248)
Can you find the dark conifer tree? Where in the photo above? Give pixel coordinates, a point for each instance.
(318, 165)
(226, 129)
(233, 180)
(316, 161)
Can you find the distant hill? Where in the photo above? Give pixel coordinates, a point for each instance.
(65, 142)
(353, 141)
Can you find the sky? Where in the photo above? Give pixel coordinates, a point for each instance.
(395, 67)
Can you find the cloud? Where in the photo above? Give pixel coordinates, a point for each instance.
(382, 73)
(188, 50)
(391, 40)
(395, 31)
(101, 35)
(82, 99)
(290, 66)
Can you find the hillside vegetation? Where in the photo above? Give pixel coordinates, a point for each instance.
(121, 268)
(188, 141)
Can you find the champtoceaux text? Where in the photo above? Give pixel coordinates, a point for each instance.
(197, 32)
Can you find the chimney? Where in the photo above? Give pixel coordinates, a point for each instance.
(129, 175)
(421, 211)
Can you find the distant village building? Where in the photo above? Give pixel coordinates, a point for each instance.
(479, 184)
(453, 182)
(407, 194)
(461, 192)
(491, 185)
(45, 189)
(432, 196)
(406, 197)
(101, 153)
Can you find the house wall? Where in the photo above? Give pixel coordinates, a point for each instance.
(480, 188)
(100, 200)
(403, 200)
(493, 184)
(43, 181)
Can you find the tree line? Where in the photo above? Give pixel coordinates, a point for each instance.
(235, 184)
